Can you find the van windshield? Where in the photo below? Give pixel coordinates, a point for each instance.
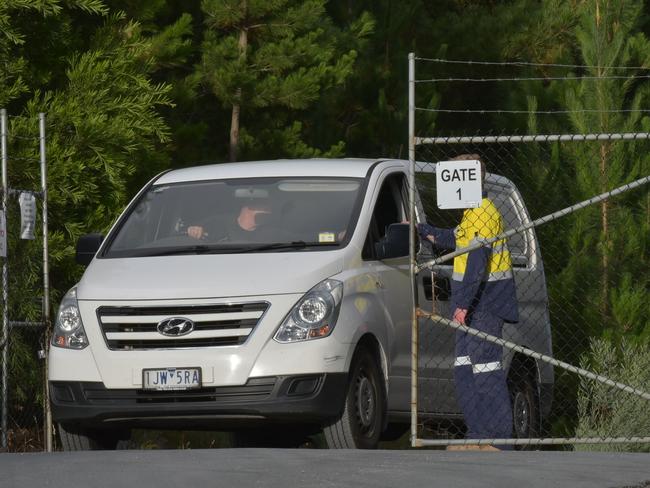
(239, 215)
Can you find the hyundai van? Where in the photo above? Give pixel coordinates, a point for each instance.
(272, 299)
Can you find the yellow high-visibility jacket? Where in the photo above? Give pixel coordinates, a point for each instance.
(482, 279)
(479, 223)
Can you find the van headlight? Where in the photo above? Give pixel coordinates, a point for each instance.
(315, 314)
(69, 330)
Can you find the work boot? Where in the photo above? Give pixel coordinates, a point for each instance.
(464, 447)
(488, 447)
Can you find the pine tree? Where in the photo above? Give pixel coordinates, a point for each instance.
(598, 282)
(270, 54)
(608, 36)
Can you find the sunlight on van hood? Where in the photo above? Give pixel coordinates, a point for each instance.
(207, 276)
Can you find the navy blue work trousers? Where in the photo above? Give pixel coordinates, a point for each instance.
(481, 387)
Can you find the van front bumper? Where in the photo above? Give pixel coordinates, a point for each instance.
(281, 399)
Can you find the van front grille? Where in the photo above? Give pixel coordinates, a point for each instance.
(136, 328)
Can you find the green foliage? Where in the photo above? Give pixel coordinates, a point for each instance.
(597, 259)
(171, 47)
(631, 309)
(131, 87)
(280, 55)
(14, 37)
(549, 35)
(606, 37)
(101, 127)
(604, 411)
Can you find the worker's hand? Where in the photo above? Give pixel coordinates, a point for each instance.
(196, 232)
(460, 315)
(426, 232)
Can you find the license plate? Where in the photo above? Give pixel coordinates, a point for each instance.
(171, 378)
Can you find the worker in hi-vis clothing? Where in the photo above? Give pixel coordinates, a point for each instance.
(482, 297)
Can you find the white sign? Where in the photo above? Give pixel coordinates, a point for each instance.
(3, 235)
(459, 184)
(27, 202)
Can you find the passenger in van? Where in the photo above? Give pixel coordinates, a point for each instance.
(483, 297)
(249, 221)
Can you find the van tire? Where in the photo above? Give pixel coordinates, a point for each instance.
(394, 432)
(361, 422)
(525, 405)
(75, 438)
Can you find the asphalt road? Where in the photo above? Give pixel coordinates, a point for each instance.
(305, 468)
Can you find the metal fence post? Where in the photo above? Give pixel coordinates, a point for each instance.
(414, 318)
(5, 291)
(46, 281)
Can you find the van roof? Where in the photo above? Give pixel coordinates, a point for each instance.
(351, 168)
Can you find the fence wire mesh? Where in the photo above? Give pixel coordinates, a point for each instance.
(581, 296)
(25, 390)
(24, 393)
(23, 337)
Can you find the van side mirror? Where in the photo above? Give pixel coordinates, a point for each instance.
(395, 243)
(87, 247)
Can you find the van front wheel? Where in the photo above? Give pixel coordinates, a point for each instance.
(360, 424)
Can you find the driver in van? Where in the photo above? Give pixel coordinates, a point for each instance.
(483, 297)
(247, 222)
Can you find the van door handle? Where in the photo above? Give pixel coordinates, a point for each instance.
(379, 283)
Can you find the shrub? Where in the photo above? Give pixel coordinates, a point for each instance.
(605, 411)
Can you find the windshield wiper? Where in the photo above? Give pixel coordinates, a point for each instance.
(218, 249)
(197, 249)
(287, 245)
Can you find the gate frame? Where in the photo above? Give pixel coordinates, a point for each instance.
(413, 142)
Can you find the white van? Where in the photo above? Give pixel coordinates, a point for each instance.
(260, 298)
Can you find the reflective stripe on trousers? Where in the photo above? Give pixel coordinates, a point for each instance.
(486, 367)
(477, 368)
(463, 361)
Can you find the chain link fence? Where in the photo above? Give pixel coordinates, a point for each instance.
(568, 365)
(572, 367)
(25, 285)
(25, 390)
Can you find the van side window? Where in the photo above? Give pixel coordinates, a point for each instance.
(517, 243)
(389, 209)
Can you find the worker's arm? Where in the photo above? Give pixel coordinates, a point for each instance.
(474, 273)
(441, 238)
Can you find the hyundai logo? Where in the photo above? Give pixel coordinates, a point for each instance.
(175, 326)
